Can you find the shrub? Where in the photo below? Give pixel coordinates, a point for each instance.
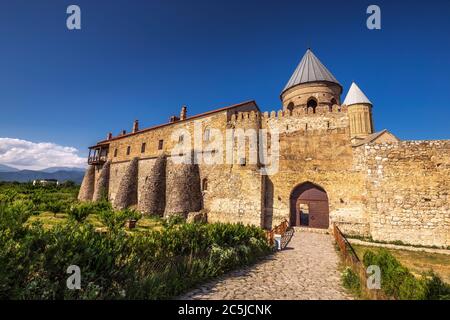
(173, 220)
(156, 264)
(351, 281)
(398, 282)
(79, 212)
(116, 265)
(116, 219)
(436, 289)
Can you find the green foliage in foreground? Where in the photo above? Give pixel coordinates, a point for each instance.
(351, 281)
(51, 198)
(398, 282)
(115, 264)
(116, 219)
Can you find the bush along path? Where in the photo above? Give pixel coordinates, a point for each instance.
(306, 269)
(115, 264)
(397, 282)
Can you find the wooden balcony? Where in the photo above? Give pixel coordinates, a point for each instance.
(98, 155)
(94, 160)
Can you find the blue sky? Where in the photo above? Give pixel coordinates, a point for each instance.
(142, 60)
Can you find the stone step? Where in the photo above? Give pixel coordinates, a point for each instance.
(313, 230)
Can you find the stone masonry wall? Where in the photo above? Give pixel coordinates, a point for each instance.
(127, 191)
(234, 192)
(88, 185)
(183, 193)
(325, 159)
(408, 191)
(152, 199)
(102, 183)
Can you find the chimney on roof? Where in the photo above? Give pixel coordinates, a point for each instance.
(124, 132)
(110, 136)
(183, 112)
(174, 119)
(136, 126)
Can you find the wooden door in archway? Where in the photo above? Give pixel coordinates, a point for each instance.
(309, 206)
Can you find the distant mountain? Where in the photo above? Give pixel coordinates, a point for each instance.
(4, 168)
(30, 175)
(56, 169)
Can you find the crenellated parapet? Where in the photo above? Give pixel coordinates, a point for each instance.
(305, 112)
(245, 117)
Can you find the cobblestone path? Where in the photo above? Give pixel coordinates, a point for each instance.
(306, 269)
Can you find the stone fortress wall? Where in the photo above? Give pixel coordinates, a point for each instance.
(150, 181)
(408, 190)
(376, 186)
(389, 191)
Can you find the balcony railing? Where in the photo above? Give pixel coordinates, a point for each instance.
(97, 159)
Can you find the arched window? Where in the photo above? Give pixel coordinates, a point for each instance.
(206, 135)
(290, 107)
(312, 103)
(204, 184)
(332, 103)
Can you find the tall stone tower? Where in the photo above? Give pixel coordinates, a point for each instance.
(311, 87)
(359, 112)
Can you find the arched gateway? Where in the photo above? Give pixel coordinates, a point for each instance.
(309, 206)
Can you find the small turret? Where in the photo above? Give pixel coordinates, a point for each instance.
(359, 112)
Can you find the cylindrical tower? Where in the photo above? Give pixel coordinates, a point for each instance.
(359, 112)
(311, 87)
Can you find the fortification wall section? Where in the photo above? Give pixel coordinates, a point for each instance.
(323, 157)
(101, 182)
(87, 185)
(127, 190)
(233, 194)
(116, 172)
(152, 186)
(408, 191)
(301, 119)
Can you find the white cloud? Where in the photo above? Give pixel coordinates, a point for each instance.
(25, 154)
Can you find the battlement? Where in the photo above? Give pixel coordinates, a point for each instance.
(297, 112)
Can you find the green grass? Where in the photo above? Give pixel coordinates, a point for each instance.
(50, 220)
(417, 262)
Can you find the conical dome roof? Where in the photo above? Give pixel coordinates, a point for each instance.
(310, 69)
(355, 96)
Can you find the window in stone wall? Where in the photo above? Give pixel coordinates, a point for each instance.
(160, 144)
(204, 184)
(312, 103)
(180, 138)
(115, 153)
(128, 150)
(290, 107)
(206, 135)
(242, 162)
(143, 147)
